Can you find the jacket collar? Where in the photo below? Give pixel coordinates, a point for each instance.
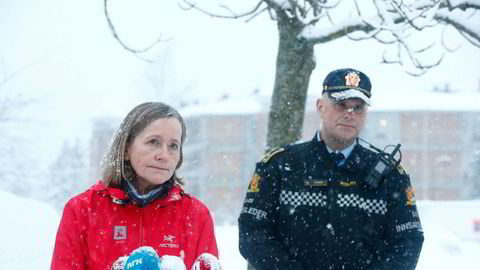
(358, 160)
(118, 194)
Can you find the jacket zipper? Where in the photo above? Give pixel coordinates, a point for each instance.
(331, 201)
(141, 227)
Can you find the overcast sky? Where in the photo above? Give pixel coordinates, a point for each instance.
(63, 52)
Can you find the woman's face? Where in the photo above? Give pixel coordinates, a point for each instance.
(155, 153)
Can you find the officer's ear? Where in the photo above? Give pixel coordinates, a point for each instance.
(320, 105)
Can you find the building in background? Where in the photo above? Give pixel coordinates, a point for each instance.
(227, 138)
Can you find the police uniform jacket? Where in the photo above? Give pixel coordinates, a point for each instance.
(302, 211)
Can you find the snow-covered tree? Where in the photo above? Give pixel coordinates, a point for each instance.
(68, 175)
(15, 147)
(302, 24)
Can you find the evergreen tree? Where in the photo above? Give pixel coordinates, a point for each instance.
(69, 175)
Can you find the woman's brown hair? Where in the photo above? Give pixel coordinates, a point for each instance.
(114, 165)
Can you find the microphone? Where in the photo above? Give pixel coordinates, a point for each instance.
(143, 258)
(207, 261)
(168, 262)
(146, 258)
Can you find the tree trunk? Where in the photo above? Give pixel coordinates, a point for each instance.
(294, 67)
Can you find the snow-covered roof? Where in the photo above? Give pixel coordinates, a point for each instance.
(426, 101)
(387, 101)
(229, 106)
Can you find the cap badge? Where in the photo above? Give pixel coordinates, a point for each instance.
(352, 79)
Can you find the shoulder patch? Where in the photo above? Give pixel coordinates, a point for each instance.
(409, 192)
(254, 185)
(271, 153)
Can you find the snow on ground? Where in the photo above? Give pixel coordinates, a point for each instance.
(451, 241)
(28, 231)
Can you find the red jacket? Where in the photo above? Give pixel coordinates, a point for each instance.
(97, 227)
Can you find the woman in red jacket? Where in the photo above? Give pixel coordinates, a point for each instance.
(139, 201)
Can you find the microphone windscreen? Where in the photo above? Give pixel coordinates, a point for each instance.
(142, 258)
(168, 262)
(207, 261)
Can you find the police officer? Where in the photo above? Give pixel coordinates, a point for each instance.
(329, 203)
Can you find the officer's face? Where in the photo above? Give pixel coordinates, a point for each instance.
(342, 121)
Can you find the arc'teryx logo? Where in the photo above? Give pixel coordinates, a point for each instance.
(169, 241)
(168, 238)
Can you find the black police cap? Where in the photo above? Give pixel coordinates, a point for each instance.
(347, 83)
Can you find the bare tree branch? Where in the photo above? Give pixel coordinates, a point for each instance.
(425, 67)
(338, 31)
(366, 36)
(412, 15)
(445, 46)
(420, 67)
(392, 22)
(33, 63)
(373, 34)
(322, 4)
(274, 5)
(473, 41)
(387, 61)
(383, 40)
(463, 5)
(8, 104)
(137, 52)
(316, 8)
(254, 15)
(233, 15)
(460, 25)
(398, 18)
(272, 14)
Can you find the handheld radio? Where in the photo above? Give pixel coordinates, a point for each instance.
(384, 163)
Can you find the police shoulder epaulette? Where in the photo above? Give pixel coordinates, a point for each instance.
(271, 153)
(401, 170)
